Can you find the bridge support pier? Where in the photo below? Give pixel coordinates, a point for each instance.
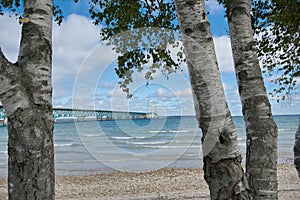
(4, 122)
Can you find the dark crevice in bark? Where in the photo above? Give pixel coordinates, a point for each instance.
(221, 139)
(191, 2)
(203, 27)
(188, 31)
(29, 11)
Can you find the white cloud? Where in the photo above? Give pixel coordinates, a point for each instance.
(228, 87)
(74, 53)
(213, 6)
(187, 92)
(10, 35)
(297, 79)
(116, 93)
(224, 53)
(78, 53)
(163, 93)
(72, 41)
(234, 101)
(108, 85)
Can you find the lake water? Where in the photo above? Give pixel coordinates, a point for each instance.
(139, 145)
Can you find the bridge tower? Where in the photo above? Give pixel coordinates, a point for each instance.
(3, 117)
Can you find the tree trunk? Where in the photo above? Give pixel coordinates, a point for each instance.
(297, 150)
(26, 95)
(261, 162)
(222, 159)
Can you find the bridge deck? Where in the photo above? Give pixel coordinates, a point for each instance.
(82, 114)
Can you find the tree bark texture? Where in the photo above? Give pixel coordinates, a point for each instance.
(26, 95)
(297, 150)
(222, 158)
(261, 162)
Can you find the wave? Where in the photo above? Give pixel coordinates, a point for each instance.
(154, 131)
(93, 135)
(157, 131)
(122, 138)
(63, 140)
(145, 143)
(140, 137)
(66, 145)
(284, 129)
(178, 131)
(128, 138)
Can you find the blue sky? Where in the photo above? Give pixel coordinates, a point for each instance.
(83, 69)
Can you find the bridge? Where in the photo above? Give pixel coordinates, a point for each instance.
(83, 115)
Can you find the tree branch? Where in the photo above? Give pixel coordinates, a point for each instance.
(8, 80)
(3, 62)
(5, 68)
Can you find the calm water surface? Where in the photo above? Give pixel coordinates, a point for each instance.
(139, 145)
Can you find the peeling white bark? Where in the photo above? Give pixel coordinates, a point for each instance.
(26, 95)
(222, 159)
(261, 162)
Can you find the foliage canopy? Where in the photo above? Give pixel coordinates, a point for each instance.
(143, 32)
(276, 24)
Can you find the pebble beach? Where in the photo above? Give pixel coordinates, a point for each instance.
(164, 184)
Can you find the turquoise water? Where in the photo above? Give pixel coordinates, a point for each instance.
(139, 145)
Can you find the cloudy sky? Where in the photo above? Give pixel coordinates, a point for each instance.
(84, 77)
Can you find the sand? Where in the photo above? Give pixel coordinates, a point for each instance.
(162, 184)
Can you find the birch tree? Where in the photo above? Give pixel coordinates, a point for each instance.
(276, 24)
(26, 96)
(261, 156)
(222, 160)
(297, 150)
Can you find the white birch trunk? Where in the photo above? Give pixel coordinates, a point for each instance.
(222, 159)
(261, 162)
(26, 95)
(297, 150)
